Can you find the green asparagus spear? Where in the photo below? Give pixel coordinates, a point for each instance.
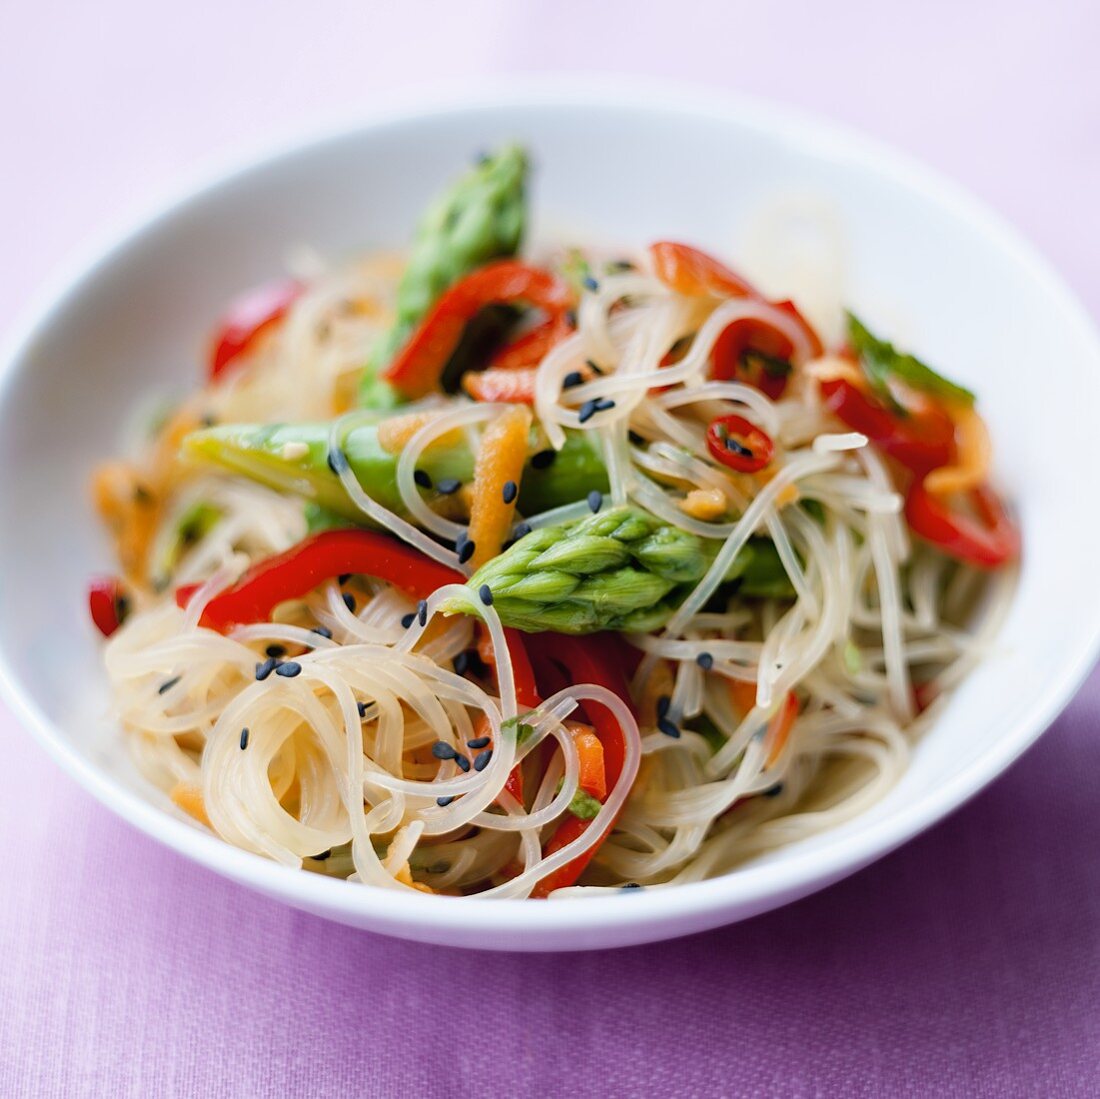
(620, 569)
(481, 217)
(294, 458)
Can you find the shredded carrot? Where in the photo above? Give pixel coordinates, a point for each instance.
(974, 451)
(659, 684)
(781, 723)
(593, 776)
(189, 798)
(129, 506)
(394, 433)
(500, 459)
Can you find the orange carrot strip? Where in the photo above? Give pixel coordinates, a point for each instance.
(500, 459)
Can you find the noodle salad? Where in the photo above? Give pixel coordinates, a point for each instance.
(481, 575)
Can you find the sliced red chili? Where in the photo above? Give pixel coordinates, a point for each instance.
(108, 603)
(248, 316)
(921, 440)
(987, 539)
(739, 444)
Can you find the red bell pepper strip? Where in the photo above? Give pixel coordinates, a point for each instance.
(515, 385)
(987, 540)
(921, 441)
(418, 367)
(689, 271)
(247, 316)
(583, 660)
(531, 348)
(107, 603)
(298, 570)
(739, 444)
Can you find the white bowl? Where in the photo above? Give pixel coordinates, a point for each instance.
(625, 165)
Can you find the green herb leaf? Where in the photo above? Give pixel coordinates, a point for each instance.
(523, 731)
(584, 806)
(881, 361)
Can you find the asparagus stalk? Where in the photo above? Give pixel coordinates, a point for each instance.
(294, 458)
(620, 569)
(481, 217)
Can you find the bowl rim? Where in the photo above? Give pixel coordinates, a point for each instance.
(650, 914)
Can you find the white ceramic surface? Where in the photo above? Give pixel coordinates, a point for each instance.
(624, 164)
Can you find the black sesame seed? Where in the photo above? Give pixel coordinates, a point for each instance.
(734, 447)
(244, 738)
(510, 491)
(604, 403)
(481, 760)
(587, 410)
(774, 791)
(343, 578)
(462, 662)
(168, 684)
(422, 612)
(544, 459)
(635, 438)
(208, 420)
(322, 855)
(362, 708)
(663, 704)
(521, 530)
(629, 885)
(593, 366)
(337, 461)
(442, 750)
(323, 631)
(266, 668)
(444, 802)
(668, 728)
(289, 669)
(408, 619)
(448, 485)
(485, 594)
(705, 661)
(422, 479)
(589, 283)
(275, 651)
(573, 378)
(478, 742)
(595, 500)
(463, 763)
(464, 547)
(349, 601)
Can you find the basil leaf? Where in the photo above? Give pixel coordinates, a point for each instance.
(882, 361)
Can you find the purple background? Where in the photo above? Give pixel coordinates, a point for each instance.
(966, 964)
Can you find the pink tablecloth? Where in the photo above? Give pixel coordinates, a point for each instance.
(967, 964)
